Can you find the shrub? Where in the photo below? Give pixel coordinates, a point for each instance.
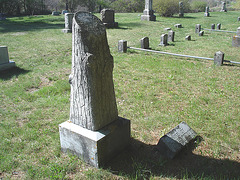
(128, 5)
(166, 8)
(198, 6)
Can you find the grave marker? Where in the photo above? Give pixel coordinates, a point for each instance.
(218, 26)
(197, 28)
(213, 26)
(181, 9)
(171, 143)
(148, 13)
(122, 46)
(178, 25)
(144, 43)
(94, 131)
(207, 12)
(108, 18)
(223, 9)
(218, 58)
(201, 33)
(171, 35)
(236, 39)
(188, 38)
(68, 23)
(4, 59)
(164, 39)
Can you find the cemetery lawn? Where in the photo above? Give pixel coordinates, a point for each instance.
(156, 92)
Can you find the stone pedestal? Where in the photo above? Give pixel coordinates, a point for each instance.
(188, 38)
(148, 14)
(68, 23)
(4, 59)
(95, 147)
(201, 33)
(94, 130)
(108, 18)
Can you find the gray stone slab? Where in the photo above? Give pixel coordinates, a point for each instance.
(122, 46)
(236, 41)
(4, 58)
(218, 58)
(8, 65)
(198, 28)
(95, 147)
(164, 40)
(171, 35)
(144, 43)
(219, 26)
(171, 143)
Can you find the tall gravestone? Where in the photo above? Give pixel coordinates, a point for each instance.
(148, 13)
(68, 23)
(94, 131)
(224, 8)
(4, 59)
(181, 9)
(207, 12)
(108, 18)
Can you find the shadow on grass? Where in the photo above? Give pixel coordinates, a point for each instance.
(9, 73)
(130, 25)
(34, 25)
(142, 161)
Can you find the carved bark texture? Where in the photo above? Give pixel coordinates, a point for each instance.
(93, 103)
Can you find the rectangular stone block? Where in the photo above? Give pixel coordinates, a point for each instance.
(218, 58)
(4, 58)
(236, 41)
(95, 147)
(171, 143)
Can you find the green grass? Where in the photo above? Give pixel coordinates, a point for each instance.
(156, 92)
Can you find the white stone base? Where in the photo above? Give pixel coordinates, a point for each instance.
(95, 147)
(9, 65)
(148, 17)
(66, 30)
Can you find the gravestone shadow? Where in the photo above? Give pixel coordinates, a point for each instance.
(9, 73)
(143, 160)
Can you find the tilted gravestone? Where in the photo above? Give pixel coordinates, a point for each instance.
(108, 18)
(4, 59)
(148, 13)
(68, 23)
(144, 43)
(181, 9)
(236, 39)
(172, 142)
(171, 35)
(188, 38)
(207, 12)
(94, 131)
(197, 28)
(164, 40)
(224, 8)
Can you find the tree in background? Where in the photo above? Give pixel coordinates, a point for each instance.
(166, 8)
(128, 5)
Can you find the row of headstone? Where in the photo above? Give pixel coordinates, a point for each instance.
(218, 56)
(94, 131)
(4, 59)
(218, 26)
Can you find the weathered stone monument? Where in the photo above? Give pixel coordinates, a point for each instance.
(207, 12)
(171, 35)
(181, 9)
(122, 46)
(197, 28)
(94, 131)
(68, 23)
(164, 40)
(148, 13)
(144, 43)
(172, 142)
(4, 59)
(224, 8)
(108, 18)
(236, 39)
(213, 26)
(218, 58)
(219, 26)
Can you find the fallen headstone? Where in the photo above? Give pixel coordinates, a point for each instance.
(172, 142)
(178, 25)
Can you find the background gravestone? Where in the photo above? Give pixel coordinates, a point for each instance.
(171, 35)
(68, 23)
(94, 131)
(4, 59)
(218, 26)
(213, 26)
(181, 9)
(108, 18)
(148, 13)
(236, 39)
(223, 9)
(144, 43)
(164, 40)
(207, 12)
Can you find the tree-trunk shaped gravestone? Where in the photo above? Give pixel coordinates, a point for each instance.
(94, 131)
(148, 14)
